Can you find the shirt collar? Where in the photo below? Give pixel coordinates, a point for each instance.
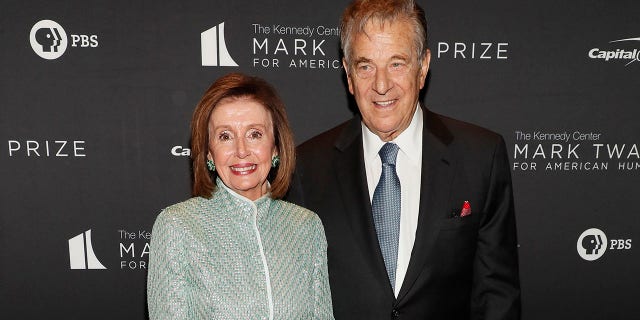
(409, 141)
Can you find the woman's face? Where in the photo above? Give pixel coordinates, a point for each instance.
(241, 144)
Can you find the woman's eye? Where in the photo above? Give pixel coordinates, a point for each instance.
(224, 136)
(255, 134)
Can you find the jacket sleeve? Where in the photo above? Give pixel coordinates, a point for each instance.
(167, 278)
(296, 193)
(496, 284)
(322, 305)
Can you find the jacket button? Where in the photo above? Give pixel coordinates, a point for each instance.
(395, 314)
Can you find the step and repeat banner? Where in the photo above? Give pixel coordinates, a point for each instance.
(96, 100)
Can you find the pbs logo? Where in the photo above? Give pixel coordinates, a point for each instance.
(49, 40)
(593, 243)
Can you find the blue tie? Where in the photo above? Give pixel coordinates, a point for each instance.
(386, 209)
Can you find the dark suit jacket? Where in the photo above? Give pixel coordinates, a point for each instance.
(460, 267)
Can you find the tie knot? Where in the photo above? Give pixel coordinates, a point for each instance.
(388, 153)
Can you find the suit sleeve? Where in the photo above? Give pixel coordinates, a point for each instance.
(295, 193)
(496, 286)
(323, 308)
(166, 282)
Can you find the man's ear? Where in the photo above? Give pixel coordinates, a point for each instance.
(424, 67)
(346, 69)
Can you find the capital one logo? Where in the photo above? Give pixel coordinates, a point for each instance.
(592, 244)
(81, 255)
(214, 48)
(629, 55)
(180, 151)
(48, 39)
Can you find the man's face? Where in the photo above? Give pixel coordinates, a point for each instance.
(385, 76)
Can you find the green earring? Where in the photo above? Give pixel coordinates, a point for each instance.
(275, 161)
(211, 165)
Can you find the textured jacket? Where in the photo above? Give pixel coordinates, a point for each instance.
(231, 258)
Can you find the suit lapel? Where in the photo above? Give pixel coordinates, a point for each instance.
(352, 181)
(435, 189)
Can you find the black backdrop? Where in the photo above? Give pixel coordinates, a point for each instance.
(97, 138)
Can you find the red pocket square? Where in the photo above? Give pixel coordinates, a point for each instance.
(466, 209)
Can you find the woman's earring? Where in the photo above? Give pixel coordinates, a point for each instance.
(275, 161)
(211, 165)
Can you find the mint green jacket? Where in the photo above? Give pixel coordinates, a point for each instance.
(232, 258)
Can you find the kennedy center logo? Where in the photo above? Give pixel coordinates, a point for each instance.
(48, 39)
(214, 48)
(81, 255)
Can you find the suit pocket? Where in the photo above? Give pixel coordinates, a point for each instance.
(457, 223)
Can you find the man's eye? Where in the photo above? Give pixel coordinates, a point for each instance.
(365, 70)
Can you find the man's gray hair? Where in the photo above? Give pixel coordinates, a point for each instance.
(360, 12)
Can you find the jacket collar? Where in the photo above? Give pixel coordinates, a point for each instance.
(240, 201)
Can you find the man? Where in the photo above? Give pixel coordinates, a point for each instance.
(417, 207)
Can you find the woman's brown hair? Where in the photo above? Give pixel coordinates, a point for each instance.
(237, 85)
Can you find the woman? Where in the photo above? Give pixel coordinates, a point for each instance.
(234, 251)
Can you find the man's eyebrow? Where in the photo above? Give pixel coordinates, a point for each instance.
(399, 57)
(361, 60)
(394, 57)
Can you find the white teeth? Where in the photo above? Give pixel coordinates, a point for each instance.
(384, 103)
(243, 169)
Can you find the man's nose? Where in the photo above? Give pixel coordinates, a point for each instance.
(382, 83)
